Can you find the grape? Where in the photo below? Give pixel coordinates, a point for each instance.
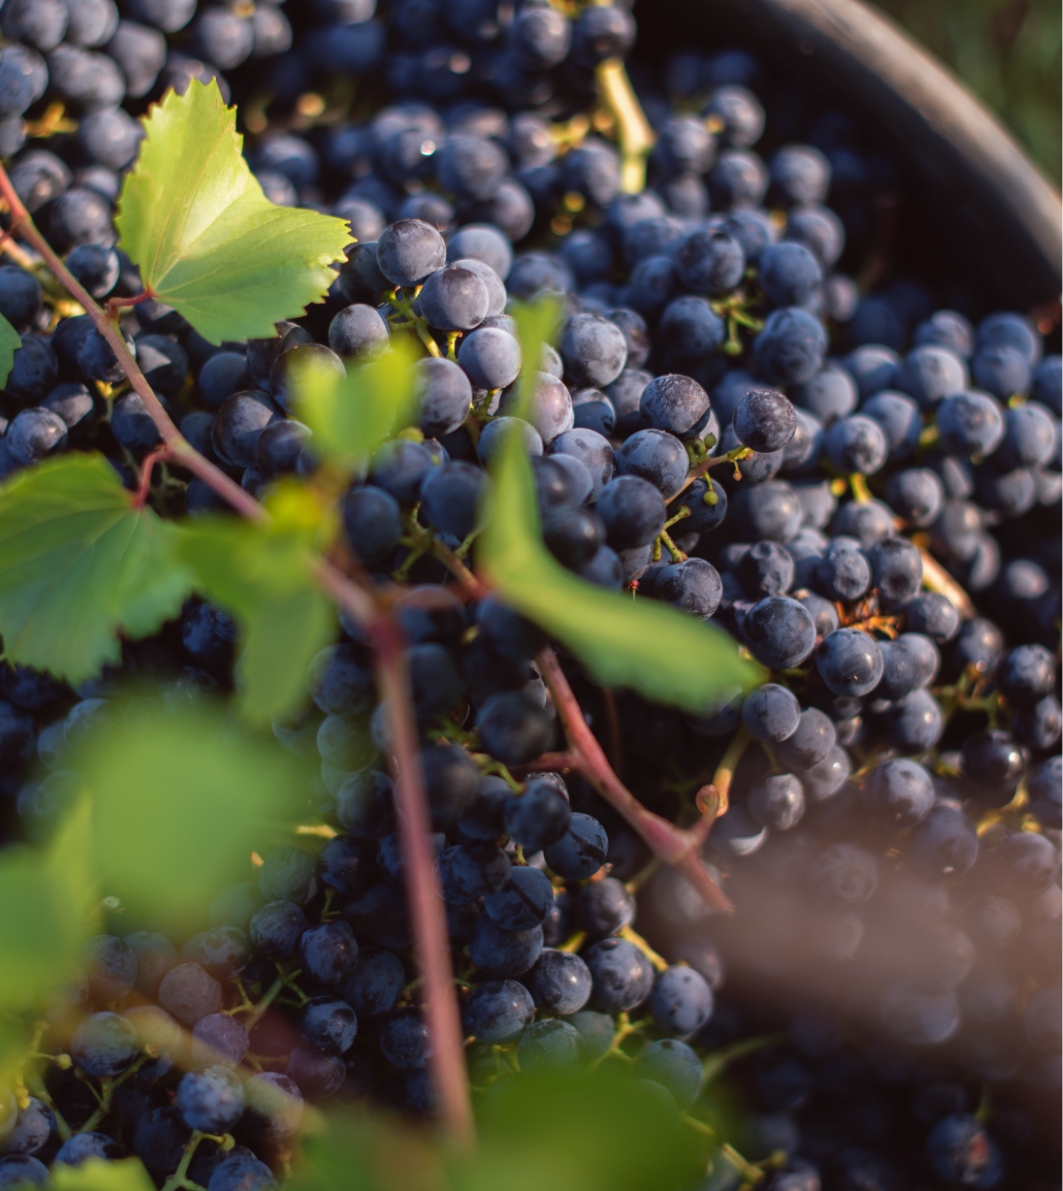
(780, 632)
(970, 424)
(675, 1066)
(693, 585)
(358, 333)
(800, 175)
(581, 851)
(604, 908)
(963, 1154)
(791, 346)
(632, 511)
(930, 373)
(104, 1044)
(498, 1011)
(710, 262)
(1030, 437)
(843, 571)
(1026, 674)
(549, 407)
(490, 358)
(675, 404)
(218, 1038)
(657, 457)
(20, 292)
(594, 350)
(409, 251)
(592, 450)
(329, 1024)
(375, 985)
(503, 953)
(470, 168)
(33, 434)
(482, 242)
(277, 927)
(829, 394)
(621, 975)
(739, 179)
(850, 662)
(789, 273)
(34, 1129)
(242, 1172)
(211, 1100)
(771, 713)
(896, 570)
(189, 993)
(328, 952)
(739, 113)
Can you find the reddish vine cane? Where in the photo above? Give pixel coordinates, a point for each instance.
(371, 609)
(426, 903)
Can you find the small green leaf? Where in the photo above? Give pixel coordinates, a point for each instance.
(180, 796)
(207, 240)
(9, 344)
(264, 577)
(351, 416)
(45, 913)
(95, 1174)
(78, 565)
(659, 651)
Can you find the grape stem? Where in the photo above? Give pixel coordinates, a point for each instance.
(672, 844)
(426, 905)
(182, 450)
(634, 132)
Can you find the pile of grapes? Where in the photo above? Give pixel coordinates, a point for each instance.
(859, 482)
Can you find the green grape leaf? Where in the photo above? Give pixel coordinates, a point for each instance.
(79, 564)
(46, 913)
(351, 416)
(657, 650)
(96, 1174)
(601, 1131)
(180, 796)
(207, 240)
(9, 344)
(264, 576)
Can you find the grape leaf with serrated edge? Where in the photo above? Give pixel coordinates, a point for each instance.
(79, 564)
(208, 242)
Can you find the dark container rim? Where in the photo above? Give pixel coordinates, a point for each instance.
(988, 197)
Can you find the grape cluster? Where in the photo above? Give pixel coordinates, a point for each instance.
(726, 423)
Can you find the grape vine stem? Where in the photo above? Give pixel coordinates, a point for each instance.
(672, 844)
(426, 904)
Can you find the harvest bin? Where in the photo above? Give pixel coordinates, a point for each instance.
(958, 206)
(969, 206)
(972, 188)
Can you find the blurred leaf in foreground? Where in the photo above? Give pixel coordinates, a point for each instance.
(655, 649)
(94, 1174)
(264, 576)
(352, 415)
(605, 1131)
(180, 797)
(9, 344)
(46, 913)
